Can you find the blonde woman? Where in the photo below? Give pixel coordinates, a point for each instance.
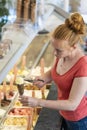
(69, 73)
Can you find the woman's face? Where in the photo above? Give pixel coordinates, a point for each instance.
(61, 48)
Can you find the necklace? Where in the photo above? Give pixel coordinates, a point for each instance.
(62, 66)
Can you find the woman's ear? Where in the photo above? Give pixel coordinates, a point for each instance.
(74, 46)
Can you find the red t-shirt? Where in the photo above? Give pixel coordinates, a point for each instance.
(64, 83)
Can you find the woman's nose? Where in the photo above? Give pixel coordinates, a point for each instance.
(55, 53)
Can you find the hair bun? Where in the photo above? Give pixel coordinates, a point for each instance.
(76, 23)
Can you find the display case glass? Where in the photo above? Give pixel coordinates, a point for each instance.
(31, 44)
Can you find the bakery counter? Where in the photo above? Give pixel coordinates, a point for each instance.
(49, 119)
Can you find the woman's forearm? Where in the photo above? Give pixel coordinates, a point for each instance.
(57, 104)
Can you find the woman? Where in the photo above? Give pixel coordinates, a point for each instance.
(69, 73)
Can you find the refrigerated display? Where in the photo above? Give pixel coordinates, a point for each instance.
(36, 47)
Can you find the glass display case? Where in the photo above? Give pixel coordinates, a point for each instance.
(26, 41)
(21, 36)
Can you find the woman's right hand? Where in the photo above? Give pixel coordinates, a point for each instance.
(39, 82)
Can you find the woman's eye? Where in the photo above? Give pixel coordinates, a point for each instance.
(59, 51)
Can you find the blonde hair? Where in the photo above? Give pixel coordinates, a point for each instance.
(72, 30)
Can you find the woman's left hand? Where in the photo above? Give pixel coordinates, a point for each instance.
(29, 101)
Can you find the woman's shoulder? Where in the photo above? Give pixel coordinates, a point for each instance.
(83, 59)
(82, 67)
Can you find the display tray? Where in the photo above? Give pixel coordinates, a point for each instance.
(21, 111)
(16, 122)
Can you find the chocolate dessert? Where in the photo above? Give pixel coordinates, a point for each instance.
(5, 102)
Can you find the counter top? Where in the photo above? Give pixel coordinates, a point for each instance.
(49, 119)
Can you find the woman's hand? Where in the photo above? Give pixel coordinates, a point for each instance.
(39, 82)
(29, 101)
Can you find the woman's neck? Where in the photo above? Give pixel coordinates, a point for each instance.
(75, 54)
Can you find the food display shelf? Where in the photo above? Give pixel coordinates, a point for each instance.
(9, 107)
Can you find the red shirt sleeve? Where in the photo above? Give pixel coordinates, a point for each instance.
(82, 68)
